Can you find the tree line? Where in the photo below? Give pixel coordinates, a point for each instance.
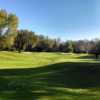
(12, 39)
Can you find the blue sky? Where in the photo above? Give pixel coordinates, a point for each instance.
(67, 19)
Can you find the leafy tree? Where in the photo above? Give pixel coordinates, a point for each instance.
(24, 40)
(8, 28)
(69, 46)
(3, 21)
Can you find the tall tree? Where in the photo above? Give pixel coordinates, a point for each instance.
(3, 21)
(8, 28)
(25, 40)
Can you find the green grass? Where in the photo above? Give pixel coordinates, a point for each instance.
(49, 76)
(31, 60)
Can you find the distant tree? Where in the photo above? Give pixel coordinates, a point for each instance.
(25, 40)
(11, 38)
(62, 47)
(69, 46)
(97, 49)
(42, 43)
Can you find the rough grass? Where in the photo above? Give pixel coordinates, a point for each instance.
(49, 76)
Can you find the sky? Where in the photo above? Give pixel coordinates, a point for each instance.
(65, 19)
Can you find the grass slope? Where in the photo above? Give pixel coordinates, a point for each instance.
(49, 76)
(22, 60)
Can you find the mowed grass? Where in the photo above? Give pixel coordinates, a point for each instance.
(49, 76)
(37, 59)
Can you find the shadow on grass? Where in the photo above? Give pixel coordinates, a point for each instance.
(89, 56)
(33, 83)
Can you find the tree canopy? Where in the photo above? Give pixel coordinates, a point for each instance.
(25, 40)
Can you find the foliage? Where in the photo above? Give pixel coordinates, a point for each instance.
(25, 40)
(8, 29)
